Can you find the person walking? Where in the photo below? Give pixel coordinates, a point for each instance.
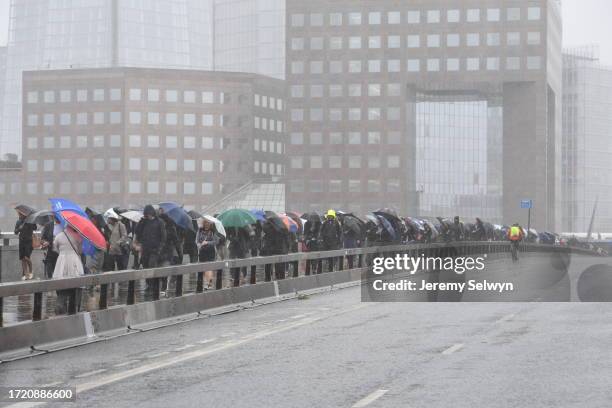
(68, 245)
(151, 237)
(207, 240)
(25, 232)
(457, 230)
(118, 244)
(515, 235)
(46, 243)
(331, 235)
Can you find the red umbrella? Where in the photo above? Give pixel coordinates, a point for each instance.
(291, 225)
(86, 228)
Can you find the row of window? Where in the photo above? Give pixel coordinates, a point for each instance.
(412, 41)
(470, 15)
(416, 65)
(114, 164)
(338, 114)
(273, 169)
(112, 187)
(354, 90)
(351, 162)
(151, 141)
(350, 186)
(267, 146)
(150, 118)
(351, 138)
(151, 95)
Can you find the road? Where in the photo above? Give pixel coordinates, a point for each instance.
(331, 350)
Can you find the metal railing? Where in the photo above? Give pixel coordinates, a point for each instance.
(275, 268)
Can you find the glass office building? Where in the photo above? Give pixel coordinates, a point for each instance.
(587, 145)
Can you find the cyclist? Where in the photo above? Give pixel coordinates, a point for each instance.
(515, 235)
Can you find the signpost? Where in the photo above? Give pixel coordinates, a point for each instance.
(527, 204)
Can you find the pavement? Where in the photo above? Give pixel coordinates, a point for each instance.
(332, 350)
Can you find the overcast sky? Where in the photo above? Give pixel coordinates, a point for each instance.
(585, 22)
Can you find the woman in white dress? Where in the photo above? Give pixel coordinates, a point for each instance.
(69, 265)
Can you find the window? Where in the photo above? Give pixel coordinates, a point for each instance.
(134, 140)
(207, 143)
(82, 95)
(373, 90)
(394, 90)
(189, 142)
(513, 14)
(335, 162)
(335, 186)
(115, 94)
(374, 41)
(433, 40)
(207, 166)
(171, 142)
(394, 17)
(65, 142)
(335, 43)
(188, 188)
(513, 39)
(115, 164)
(393, 41)
(189, 97)
(296, 162)
(393, 113)
(473, 64)
(452, 64)
(152, 187)
(49, 96)
(534, 63)
(354, 113)
(413, 41)
(49, 119)
(335, 115)
(335, 91)
(394, 138)
(297, 115)
(413, 65)
(335, 138)
(354, 186)
(98, 118)
(82, 118)
(208, 97)
(373, 138)
(373, 113)
(297, 67)
(316, 43)
(135, 118)
(414, 17)
(315, 139)
(354, 66)
(81, 142)
(115, 118)
(335, 67)
(316, 114)
(453, 16)
(171, 164)
(354, 162)
(98, 95)
(316, 162)
(297, 138)
(374, 18)
(66, 96)
(393, 66)
(433, 16)
(373, 162)
(534, 13)
(48, 165)
(207, 188)
(316, 20)
(207, 120)
(433, 65)
(533, 38)
(33, 97)
(32, 165)
(393, 162)
(316, 67)
(153, 141)
(297, 20)
(493, 14)
(473, 15)
(297, 44)
(473, 39)
(98, 141)
(134, 163)
(189, 165)
(452, 40)
(115, 141)
(493, 39)
(354, 43)
(354, 18)
(171, 95)
(493, 63)
(513, 63)
(32, 120)
(335, 19)
(374, 66)
(135, 94)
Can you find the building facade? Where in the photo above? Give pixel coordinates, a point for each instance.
(242, 36)
(433, 107)
(130, 136)
(587, 145)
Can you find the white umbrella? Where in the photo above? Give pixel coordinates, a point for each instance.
(218, 225)
(110, 213)
(134, 216)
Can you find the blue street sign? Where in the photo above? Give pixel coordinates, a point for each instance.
(527, 204)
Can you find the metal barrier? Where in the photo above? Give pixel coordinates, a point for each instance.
(275, 268)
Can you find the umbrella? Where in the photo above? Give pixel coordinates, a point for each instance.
(218, 224)
(60, 205)
(111, 213)
(237, 218)
(194, 214)
(280, 224)
(298, 221)
(388, 211)
(85, 227)
(387, 226)
(313, 217)
(291, 225)
(41, 217)
(259, 214)
(373, 219)
(178, 215)
(132, 215)
(24, 210)
(352, 223)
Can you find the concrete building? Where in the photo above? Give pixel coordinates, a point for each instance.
(130, 136)
(225, 35)
(587, 141)
(433, 107)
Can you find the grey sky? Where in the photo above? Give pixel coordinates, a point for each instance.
(585, 22)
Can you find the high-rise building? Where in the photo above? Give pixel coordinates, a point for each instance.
(587, 141)
(244, 36)
(129, 136)
(433, 107)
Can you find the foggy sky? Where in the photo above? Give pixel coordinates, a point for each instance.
(585, 22)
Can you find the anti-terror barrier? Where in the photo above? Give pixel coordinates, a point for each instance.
(283, 275)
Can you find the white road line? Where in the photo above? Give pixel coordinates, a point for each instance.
(364, 402)
(90, 373)
(505, 318)
(126, 363)
(163, 353)
(206, 341)
(185, 347)
(112, 378)
(453, 348)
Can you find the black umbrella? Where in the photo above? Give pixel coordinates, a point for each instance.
(352, 223)
(388, 211)
(96, 217)
(41, 217)
(194, 214)
(313, 217)
(24, 209)
(276, 221)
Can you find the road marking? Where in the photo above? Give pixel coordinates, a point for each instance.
(206, 341)
(185, 347)
(90, 373)
(453, 348)
(298, 316)
(126, 363)
(505, 318)
(53, 384)
(88, 324)
(276, 292)
(364, 402)
(163, 353)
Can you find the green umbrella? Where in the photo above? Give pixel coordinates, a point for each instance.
(237, 218)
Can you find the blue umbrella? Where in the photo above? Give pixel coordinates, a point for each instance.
(178, 215)
(61, 204)
(259, 214)
(387, 225)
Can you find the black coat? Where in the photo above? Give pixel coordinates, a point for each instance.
(151, 234)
